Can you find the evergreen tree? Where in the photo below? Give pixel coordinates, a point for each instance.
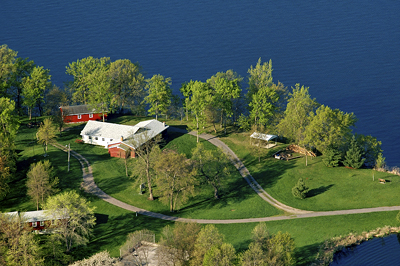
(354, 155)
(332, 157)
(300, 190)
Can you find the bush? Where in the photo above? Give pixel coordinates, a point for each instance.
(300, 190)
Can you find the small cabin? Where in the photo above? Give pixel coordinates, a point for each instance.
(37, 221)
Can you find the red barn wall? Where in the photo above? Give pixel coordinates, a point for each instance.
(84, 118)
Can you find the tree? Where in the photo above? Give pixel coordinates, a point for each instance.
(127, 83)
(300, 190)
(207, 238)
(328, 127)
(101, 258)
(370, 147)
(82, 71)
(175, 181)
(260, 235)
(260, 76)
(41, 182)
(253, 256)
(147, 150)
(23, 68)
(7, 67)
(74, 218)
(55, 98)
(177, 243)
(159, 94)
(18, 246)
(380, 161)
(296, 117)
(332, 157)
(25, 251)
(46, 133)
(224, 255)
(200, 96)
(354, 156)
(212, 165)
(100, 94)
(281, 250)
(9, 125)
(34, 86)
(226, 87)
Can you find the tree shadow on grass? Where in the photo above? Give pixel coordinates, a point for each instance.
(316, 191)
(306, 255)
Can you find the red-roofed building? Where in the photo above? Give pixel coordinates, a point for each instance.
(80, 113)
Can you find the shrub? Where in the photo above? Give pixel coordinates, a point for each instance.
(79, 141)
(300, 190)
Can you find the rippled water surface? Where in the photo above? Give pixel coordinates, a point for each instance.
(347, 52)
(379, 251)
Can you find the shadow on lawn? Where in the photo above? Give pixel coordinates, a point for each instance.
(306, 254)
(316, 191)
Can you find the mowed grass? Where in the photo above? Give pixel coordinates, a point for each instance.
(335, 188)
(114, 224)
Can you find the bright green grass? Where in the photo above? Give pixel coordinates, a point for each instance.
(237, 200)
(330, 188)
(310, 233)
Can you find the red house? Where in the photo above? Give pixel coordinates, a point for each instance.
(80, 113)
(37, 221)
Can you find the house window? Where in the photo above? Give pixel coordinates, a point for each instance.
(111, 139)
(34, 224)
(96, 138)
(102, 139)
(41, 223)
(90, 115)
(79, 117)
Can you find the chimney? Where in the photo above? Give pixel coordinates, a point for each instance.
(122, 138)
(163, 124)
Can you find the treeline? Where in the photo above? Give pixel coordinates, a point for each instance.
(190, 244)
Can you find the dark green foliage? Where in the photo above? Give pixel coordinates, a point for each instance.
(300, 190)
(354, 155)
(332, 157)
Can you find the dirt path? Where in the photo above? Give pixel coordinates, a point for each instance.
(90, 186)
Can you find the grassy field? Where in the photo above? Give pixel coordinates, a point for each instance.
(331, 189)
(350, 188)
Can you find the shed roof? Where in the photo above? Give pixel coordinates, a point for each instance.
(262, 136)
(78, 109)
(32, 216)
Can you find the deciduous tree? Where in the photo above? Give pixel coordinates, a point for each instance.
(175, 180)
(127, 83)
(227, 88)
(74, 218)
(81, 70)
(41, 182)
(100, 90)
(34, 86)
(224, 255)
(212, 166)
(296, 116)
(328, 127)
(159, 94)
(47, 132)
(200, 96)
(147, 150)
(7, 67)
(207, 238)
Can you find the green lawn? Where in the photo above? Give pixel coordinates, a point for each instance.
(331, 189)
(350, 188)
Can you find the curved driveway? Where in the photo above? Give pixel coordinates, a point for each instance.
(90, 186)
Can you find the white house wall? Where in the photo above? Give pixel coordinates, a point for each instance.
(99, 141)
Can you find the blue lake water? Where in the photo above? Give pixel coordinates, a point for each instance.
(347, 52)
(376, 252)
